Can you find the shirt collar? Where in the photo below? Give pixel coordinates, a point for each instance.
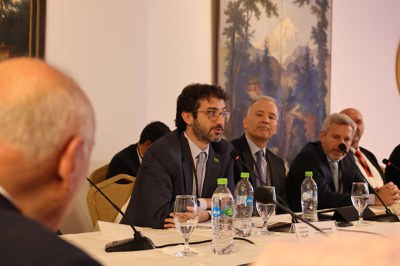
(253, 147)
(7, 196)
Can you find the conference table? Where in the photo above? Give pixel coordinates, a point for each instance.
(244, 253)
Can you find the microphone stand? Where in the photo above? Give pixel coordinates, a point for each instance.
(138, 242)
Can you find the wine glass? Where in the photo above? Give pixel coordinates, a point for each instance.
(186, 217)
(266, 209)
(359, 197)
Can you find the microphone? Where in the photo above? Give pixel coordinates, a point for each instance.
(138, 242)
(343, 148)
(261, 194)
(235, 156)
(389, 216)
(389, 163)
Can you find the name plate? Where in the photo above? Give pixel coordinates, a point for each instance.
(304, 232)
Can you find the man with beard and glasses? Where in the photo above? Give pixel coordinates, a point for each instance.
(260, 124)
(172, 165)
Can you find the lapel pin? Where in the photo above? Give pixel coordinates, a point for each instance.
(216, 160)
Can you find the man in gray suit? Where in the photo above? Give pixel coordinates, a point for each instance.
(169, 168)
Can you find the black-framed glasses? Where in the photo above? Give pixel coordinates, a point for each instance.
(213, 114)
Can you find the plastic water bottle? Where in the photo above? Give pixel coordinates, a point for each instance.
(243, 206)
(309, 198)
(222, 218)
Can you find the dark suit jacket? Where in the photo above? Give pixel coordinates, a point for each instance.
(25, 242)
(124, 162)
(313, 158)
(391, 173)
(371, 157)
(275, 164)
(166, 172)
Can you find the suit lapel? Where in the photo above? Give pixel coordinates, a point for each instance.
(213, 166)
(6, 204)
(186, 165)
(248, 158)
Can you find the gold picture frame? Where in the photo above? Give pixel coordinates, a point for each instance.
(398, 68)
(22, 28)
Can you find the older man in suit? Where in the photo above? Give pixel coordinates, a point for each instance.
(368, 164)
(173, 165)
(46, 137)
(333, 171)
(260, 124)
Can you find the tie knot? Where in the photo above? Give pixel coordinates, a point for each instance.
(202, 156)
(260, 153)
(357, 153)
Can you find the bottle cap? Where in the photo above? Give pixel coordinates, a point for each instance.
(222, 181)
(308, 173)
(244, 175)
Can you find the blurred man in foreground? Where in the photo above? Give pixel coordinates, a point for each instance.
(46, 137)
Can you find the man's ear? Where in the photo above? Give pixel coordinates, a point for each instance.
(187, 117)
(322, 136)
(70, 157)
(245, 121)
(147, 143)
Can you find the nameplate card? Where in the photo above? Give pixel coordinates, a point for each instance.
(304, 232)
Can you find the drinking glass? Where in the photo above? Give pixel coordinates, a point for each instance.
(359, 197)
(266, 209)
(186, 217)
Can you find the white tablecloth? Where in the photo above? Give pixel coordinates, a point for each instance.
(94, 243)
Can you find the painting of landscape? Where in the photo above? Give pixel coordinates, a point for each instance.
(279, 48)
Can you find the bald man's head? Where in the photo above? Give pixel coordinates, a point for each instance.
(357, 117)
(40, 108)
(46, 137)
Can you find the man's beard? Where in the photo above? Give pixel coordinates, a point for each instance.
(201, 133)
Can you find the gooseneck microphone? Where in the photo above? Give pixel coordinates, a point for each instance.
(235, 156)
(138, 242)
(389, 216)
(390, 164)
(261, 194)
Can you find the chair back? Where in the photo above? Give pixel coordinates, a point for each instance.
(99, 174)
(118, 188)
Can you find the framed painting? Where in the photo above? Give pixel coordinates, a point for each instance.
(398, 68)
(279, 48)
(22, 28)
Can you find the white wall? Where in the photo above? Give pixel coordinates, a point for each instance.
(365, 38)
(134, 57)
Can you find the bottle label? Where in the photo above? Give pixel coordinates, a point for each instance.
(216, 212)
(249, 200)
(228, 211)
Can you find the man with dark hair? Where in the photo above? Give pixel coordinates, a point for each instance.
(129, 159)
(187, 161)
(392, 172)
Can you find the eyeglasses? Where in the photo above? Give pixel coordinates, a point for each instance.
(214, 114)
